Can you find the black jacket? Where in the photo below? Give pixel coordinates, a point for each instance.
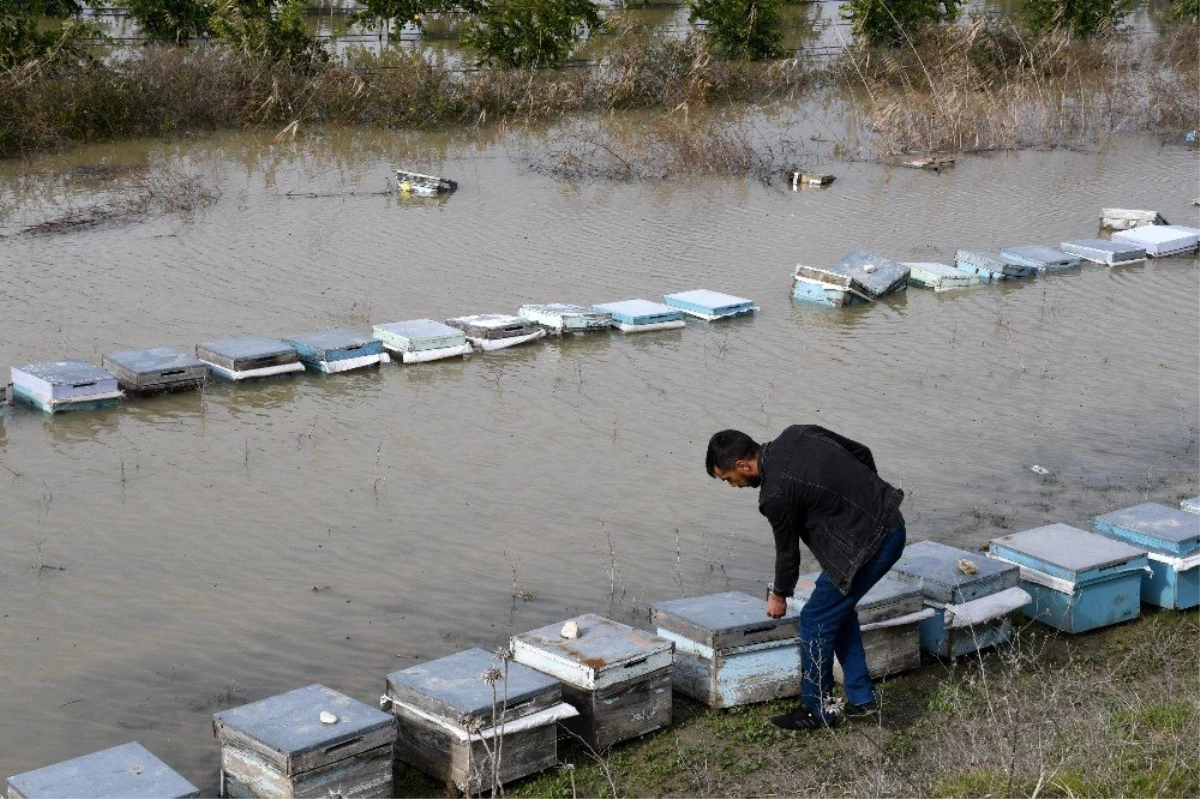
(823, 489)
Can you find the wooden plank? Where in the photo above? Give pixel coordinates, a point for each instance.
(620, 712)
(363, 774)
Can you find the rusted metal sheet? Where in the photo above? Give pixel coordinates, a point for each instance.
(156, 370)
(1171, 537)
(66, 385)
(127, 771)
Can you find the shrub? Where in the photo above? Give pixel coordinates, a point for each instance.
(530, 33)
(887, 23)
(740, 30)
(259, 29)
(1082, 18)
(171, 21)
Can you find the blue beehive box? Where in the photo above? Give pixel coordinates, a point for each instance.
(939, 277)
(972, 597)
(859, 274)
(728, 651)
(1191, 505)
(1043, 259)
(451, 713)
(128, 771)
(1108, 253)
(811, 284)
(249, 357)
(564, 318)
(991, 266)
(617, 677)
(1171, 537)
(641, 316)
(312, 741)
(420, 340)
(156, 370)
(1079, 581)
(709, 305)
(336, 350)
(68, 385)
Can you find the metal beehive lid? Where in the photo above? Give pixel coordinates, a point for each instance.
(712, 302)
(324, 342)
(1164, 527)
(731, 615)
(453, 687)
(885, 276)
(889, 592)
(65, 372)
(153, 360)
(639, 311)
(128, 770)
(250, 347)
(602, 645)
(1068, 548)
(1039, 255)
(420, 328)
(935, 569)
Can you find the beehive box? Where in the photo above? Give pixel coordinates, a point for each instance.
(249, 357)
(971, 611)
(564, 318)
(286, 746)
(67, 385)
(888, 615)
(1125, 218)
(991, 266)
(709, 305)
(496, 331)
(1160, 240)
(421, 340)
(1043, 259)
(827, 289)
(450, 718)
(939, 277)
(1191, 505)
(617, 677)
(641, 316)
(1108, 253)
(872, 274)
(1171, 537)
(157, 370)
(728, 651)
(1079, 581)
(128, 771)
(336, 350)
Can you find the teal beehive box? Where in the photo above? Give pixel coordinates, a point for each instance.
(421, 340)
(1079, 581)
(641, 316)
(336, 350)
(128, 771)
(709, 305)
(1171, 537)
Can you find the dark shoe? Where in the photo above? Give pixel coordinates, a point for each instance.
(868, 711)
(804, 720)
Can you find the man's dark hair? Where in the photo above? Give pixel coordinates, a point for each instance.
(727, 448)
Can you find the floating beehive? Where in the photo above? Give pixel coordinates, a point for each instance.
(991, 266)
(1125, 218)
(888, 615)
(939, 277)
(641, 316)
(1109, 253)
(1191, 505)
(1171, 537)
(420, 340)
(1160, 240)
(156, 370)
(452, 712)
(128, 771)
(858, 277)
(249, 357)
(837, 295)
(728, 651)
(420, 185)
(932, 162)
(565, 318)
(496, 331)
(1042, 259)
(618, 678)
(336, 350)
(798, 179)
(311, 742)
(709, 305)
(68, 385)
(1079, 581)
(972, 597)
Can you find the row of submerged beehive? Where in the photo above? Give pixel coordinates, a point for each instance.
(865, 277)
(479, 719)
(70, 385)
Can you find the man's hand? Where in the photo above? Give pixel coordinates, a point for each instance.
(776, 606)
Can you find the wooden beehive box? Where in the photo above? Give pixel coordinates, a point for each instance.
(617, 677)
(563, 318)
(728, 651)
(286, 746)
(1160, 240)
(1043, 259)
(813, 284)
(972, 610)
(157, 370)
(128, 771)
(889, 616)
(641, 316)
(67, 385)
(1108, 253)
(1171, 537)
(249, 357)
(496, 331)
(336, 350)
(709, 305)
(421, 340)
(939, 277)
(451, 713)
(1079, 581)
(991, 266)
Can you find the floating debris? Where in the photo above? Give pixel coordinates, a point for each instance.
(422, 340)
(1160, 240)
(1079, 581)
(560, 318)
(1108, 253)
(249, 357)
(1124, 218)
(814, 179)
(122, 771)
(641, 316)
(1191, 505)
(709, 305)
(991, 266)
(67, 385)
(336, 350)
(939, 277)
(156, 371)
(1039, 469)
(1172, 538)
(1043, 259)
(420, 185)
(489, 332)
(935, 163)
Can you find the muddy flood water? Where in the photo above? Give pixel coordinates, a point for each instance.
(161, 561)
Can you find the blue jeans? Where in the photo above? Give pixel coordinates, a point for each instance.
(829, 625)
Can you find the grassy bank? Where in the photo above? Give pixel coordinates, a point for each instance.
(1111, 713)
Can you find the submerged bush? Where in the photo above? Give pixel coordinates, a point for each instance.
(171, 21)
(740, 30)
(530, 33)
(267, 30)
(887, 23)
(1082, 18)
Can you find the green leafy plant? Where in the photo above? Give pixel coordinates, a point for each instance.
(1082, 18)
(171, 21)
(402, 12)
(267, 30)
(1186, 10)
(26, 37)
(887, 23)
(740, 30)
(530, 33)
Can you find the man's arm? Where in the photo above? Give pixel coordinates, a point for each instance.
(786, 527)
(859, 451)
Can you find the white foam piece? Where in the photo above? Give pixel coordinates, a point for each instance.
(492, 344)
(436, 354)
(674, 324)
(248, 374)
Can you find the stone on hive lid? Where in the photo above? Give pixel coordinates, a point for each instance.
(1109, 253)
(243, 357)
(566, 318)
(1043, 259)
(156, 369)
(709, 305)
(934, 567)
(129, 771)
(1161, 240)
(939, 277)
